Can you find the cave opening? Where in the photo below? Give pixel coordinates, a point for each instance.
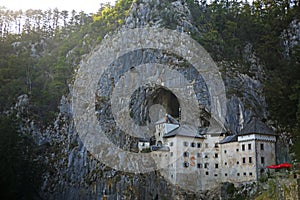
(168, 100)
(147, 96)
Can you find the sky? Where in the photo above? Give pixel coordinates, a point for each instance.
(88, 6)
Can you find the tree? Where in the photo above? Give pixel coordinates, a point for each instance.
(19, 175)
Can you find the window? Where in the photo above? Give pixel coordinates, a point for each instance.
(249, 146)
(171, 144)
(159, 143)
(186, 154)
(216, 155)
(250, 173)
(237, 149)
(244, 160)
(186, 164)
(198, 155)
(245, 174)
(193, 144)
(237, 162)
(199, 145)
(216, 166)
(243, 147)
(216, 174)
(225, 174)
(238, 174)
(171, 154)
(216, 145)
(206, 145)
(262, 147)
(250, 159)
(206, 173)
(206, 165)
(225, 163)
(206, 156)
(172, 176)
(199, 165)
(262, 159)
(225, 151)
(185, 144)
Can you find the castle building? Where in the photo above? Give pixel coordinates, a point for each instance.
(203, 159)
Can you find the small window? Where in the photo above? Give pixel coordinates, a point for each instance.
(172, 176)
(171, 144)
(225, 151)
(249, 146)
(262, 159)
(245, 174)
(199, 145)
(193, 144)
(237, 162)
(206, 173)
(237, 149)
(206, 156)
(216, 145)
(262, 147)
(216, 166)
(206, 165)
(216, 174)
(199, 165)
(225, 174)
(185, 144)
(185, 154)
(206, 145)
(216, 155)
(250, 173)
(238, 174)
(225, 163)
(250, 159)
(171, 153)
(186, 164)
(244, 160)
(198, 155)
(243, 147)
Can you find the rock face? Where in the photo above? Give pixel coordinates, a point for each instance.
(73, 173)
(291, 37)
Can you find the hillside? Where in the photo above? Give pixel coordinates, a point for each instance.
(255, 47)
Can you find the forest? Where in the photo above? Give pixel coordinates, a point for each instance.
(40, 52)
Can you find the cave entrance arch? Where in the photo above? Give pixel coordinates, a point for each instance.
(168, 100)
(146, 96)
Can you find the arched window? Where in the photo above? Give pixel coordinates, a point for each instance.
(159, 143)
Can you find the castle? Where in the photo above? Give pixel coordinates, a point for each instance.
(203, 159)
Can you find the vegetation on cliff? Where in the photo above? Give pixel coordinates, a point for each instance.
(41, 50)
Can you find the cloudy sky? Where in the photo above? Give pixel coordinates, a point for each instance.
(88, 6)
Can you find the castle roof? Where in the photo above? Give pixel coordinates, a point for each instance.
(258, 127)
(167, 119)
(184, 130)
(228, 139)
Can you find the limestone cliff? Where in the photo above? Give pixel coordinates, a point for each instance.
(73, 173)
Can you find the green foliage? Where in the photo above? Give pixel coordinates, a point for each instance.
(228, 26)
(41, 58)
(19, 175)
